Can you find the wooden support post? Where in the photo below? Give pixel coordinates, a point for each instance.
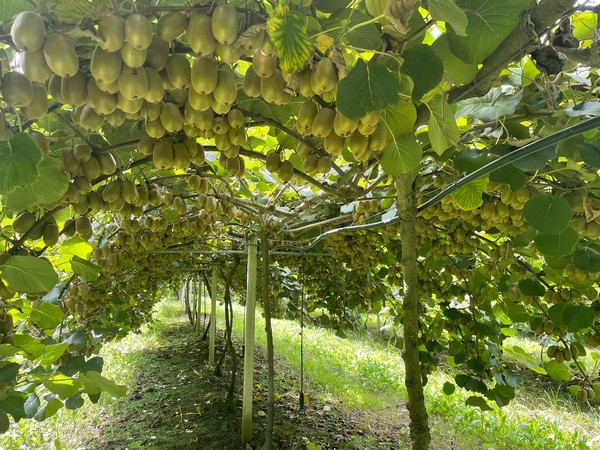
(199, 302)
(249, 343)
(213, 318)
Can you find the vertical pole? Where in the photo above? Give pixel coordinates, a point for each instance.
(417, 412)
(190, 294)
(199, 301)
(268, 445)
(249, 341)
(213, 317)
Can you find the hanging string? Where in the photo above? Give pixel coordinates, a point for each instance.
(301, 399)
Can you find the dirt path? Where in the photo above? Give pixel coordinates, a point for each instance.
(179, 404)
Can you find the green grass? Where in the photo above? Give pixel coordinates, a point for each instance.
(358, 376)
(362, 372)
(66, 429)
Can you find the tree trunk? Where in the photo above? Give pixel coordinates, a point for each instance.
(269, 332)
(249, 342)
(419, 426)
(213, 318)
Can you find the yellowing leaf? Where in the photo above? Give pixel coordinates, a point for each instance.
(287, 31)
(470, 196)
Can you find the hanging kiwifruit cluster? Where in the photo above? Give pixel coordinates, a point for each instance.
(136, 71)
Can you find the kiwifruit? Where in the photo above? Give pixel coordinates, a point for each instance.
(178, 96)
(109, 88)
(178, 70)
(232, 166)
(200, 157)
(35, 233)
(163, 155)
(200, 102)
(50, 235)
(378, 138)
(358, 143)
(285, 171)
(38, 107)
(181, 157)
(371, 119)
(155, 92)
(273, 162)
(334, 144)
(155, 129)
(111, 191)
(90, 119)
(170, 117)
(24, 222)
(91, 168)
(16, 90)
(190, 116)
(102, 102)
(61, 56)
(82, 152)
(84, 186)
(171, 25)
(322, 125)
(194, 181)
(306, 116)
(69, 163)
(305, 87)
(272, 88)
(323, 164)
(158, 53)
(83, 227)
(74, 89)
(69, 227)
(324, 77)
(129, 106)
(237, 136)
(54, 83)
(343, 126)
(263, 64)
(311, 162)
(154, 197)
(179, 205)
(220, 108)
(225, 91)
(107, 163)
(146, 145)
(28, 31)
(132, 56)
(96, 201)
(4, 421)
(228, 54)
(133, 83)
(150, 111)
(129, 191)
(34, 66)
(112, 31)
(6, 320)
(138, 31)
(115, 118)
(204, 75)
(304, 149)
(252, 83)
(221, 125)
(40, 140)
(199, 34)
(223, 143)
(235, 118)
(225, 24)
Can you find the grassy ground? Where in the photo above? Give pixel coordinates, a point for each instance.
(354, 400)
